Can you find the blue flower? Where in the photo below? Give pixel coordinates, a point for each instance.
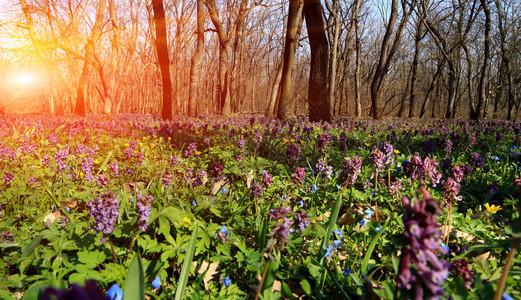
(369, 213)
(314, 188)
(300, 202)
(378, 228)
(328, 251)
(347, 271)
(284, 197)
(226, 281)
(338, 187)
(363, 222)
(224, 230)
(506, 297)
(67, 209)
(115, 292)
(398, 169)
(156, 283)
(445, 247)
(194, 203)
(337, 243)
(338, 232)
(224, 191)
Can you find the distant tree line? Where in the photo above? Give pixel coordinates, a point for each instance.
(395, 58)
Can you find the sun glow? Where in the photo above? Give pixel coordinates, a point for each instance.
(25, 78)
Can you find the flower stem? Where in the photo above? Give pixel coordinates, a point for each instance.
(133, 240)
(446, 230)
(506, 269)
(113, 252)
(261, 283)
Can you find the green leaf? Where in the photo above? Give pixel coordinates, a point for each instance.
(371, 248)
(515, 228)
(306, 287)
(29, 248)
(187, 264)
(34, 291)
(105, 162)
(135, 282)
(91, 259)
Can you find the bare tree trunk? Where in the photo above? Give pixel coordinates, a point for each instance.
(162, 56)
(387, 53)
(505, 62)
(89, 54)
(358, 101)
(481, 109)
(223, 89)
(284, 110)
(275, 92)
(197, 59)
(432, 86)
(470, 84)
(319, 109)
(417, 39)
(334, 61)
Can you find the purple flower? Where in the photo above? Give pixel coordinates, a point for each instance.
(217, 169)
(293, 151)
(144, 210)
(378, 158)
(421, 230)
(461, 269)
(90, 292)
(114, 168)
(52, 138)
(451, 191)
(299, 175)
(105, 211)
(87, 166)
(258, 138)
(352, 168)
(190, 150)
(166, 180)
(324, 140)
(266, 179)
(102, 179)
(61, 156)
(395, 188)
(8, 178)
(241, 143)
(301, 220)
(256, 191)
(447, 146)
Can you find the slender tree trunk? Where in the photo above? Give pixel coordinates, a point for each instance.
(470, 84)
(163, 57)
(431, 88)
(275, 91)
(481, 109)
(197, 59)
(450, 112)
(319, 109)
(414, 69)
(387, 53)
(358, 101)
(89, 55)
(334, 55)
(284, 110)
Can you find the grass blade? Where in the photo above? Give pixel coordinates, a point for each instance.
(187, 265)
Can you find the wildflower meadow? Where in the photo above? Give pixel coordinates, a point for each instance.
(133, 207)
